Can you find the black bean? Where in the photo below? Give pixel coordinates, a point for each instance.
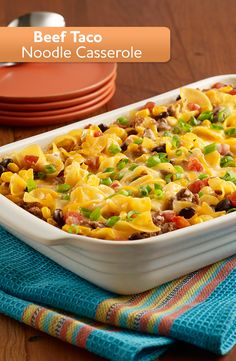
(178, 98)
(103, 127)
(124, 147)
(2, 169)
(160, 148)
(162, 115)
(58, 217)
(187, 212)
(6, 161)
(223, 205)
(132, 132)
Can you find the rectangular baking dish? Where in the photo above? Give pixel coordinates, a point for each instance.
(124, 267)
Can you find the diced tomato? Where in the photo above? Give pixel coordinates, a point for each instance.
(115, 185)
(180, 222)
(31, 159)
(218, 85)
(232, 92)
(93, 163)
(193, 106)
(195, 165)
(168, 215)
(223, 149)
(196, 186)
(149, 105)
(73, 217)
(97, 133)
(232, 198)
(87, 126)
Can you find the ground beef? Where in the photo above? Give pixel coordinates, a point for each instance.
(186, 195)
(141, 235)
(33, 208)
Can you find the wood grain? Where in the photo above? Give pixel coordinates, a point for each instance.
(202, 45)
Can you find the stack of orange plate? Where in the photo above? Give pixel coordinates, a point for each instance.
(53, 93)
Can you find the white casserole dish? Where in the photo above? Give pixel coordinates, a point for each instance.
(125, 267)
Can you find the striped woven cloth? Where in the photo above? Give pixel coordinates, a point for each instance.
(199, 308)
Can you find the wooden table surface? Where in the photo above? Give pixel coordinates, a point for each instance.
(203, 45)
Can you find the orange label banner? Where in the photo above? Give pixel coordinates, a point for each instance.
(85, 44)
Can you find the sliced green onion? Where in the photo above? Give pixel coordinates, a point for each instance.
(200, 194)
(119, 176)
(202, 176)
(229, 176)
(114, 148)
(41, 175)
(223, 114)
(95, 215)
(125, 192)
(153, 161)
(167, 134)
(63, 188)
(179, 152)
(133, 166)
(209, 148)
(217, 127)
(183, 126)
(230, 131)
(50, 168)
(168, 177)
(138, 141)
(175, 141)
(112, 221)
(122, 163)
(178, 168)
(178, 176)
(123, 120)
(31, 185)
(108, 170)
(65, 197)
(163, 157)
(130, 215)
(207, 115)
(193, 121)
(158, 193)
(85, 212)
(227, 161)
(106, 181)
(74, 229)
(145, 190)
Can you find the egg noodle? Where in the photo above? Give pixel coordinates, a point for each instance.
(158, 169)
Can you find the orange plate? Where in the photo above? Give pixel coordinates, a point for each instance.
(45, 82)
(60, 104)
(48, 113)
(56, 119)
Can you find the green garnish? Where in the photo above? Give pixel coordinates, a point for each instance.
(114, 148)
(158, 192)
(50, 168)
(227, 161)
(125, 192)
(138, 141)
(63, 188)
(207, 115)
(30, 185)
(122, 163)
(145, 190)
(230, 131)
(133, 166)
(202, 176)
(95, 215)
(223, 114)
(106, 181)
(217, 127)
(209, 148)
(74, 229)
(153, 161)
(163, 157)
(229, 176)
(178, 168)
(108, 170)
(200, 194)
(112, 221)
(179, 152)
(85, 212)
(167, 134)
(123, 120)
(168, 177)
(41, 175)
(175, 141)
(183, 126)
(193, 121)
(130, 215)
(65, 197)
